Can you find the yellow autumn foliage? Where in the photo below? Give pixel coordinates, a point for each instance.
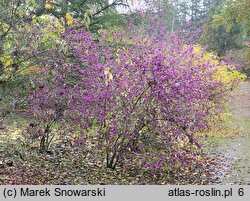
(229, 78)
(224, 73)
(69, 19)
(6, 60)
(48, 5)
(108, 75)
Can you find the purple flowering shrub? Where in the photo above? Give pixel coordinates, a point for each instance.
(136, 103)
(47, 109)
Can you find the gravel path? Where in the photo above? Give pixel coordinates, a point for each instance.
(241, 102)
(237, 149)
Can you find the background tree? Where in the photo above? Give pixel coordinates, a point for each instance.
(236, 14)
(221, 40)
(81, 13)
(217, 34)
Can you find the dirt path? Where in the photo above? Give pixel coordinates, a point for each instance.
(237, 149)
